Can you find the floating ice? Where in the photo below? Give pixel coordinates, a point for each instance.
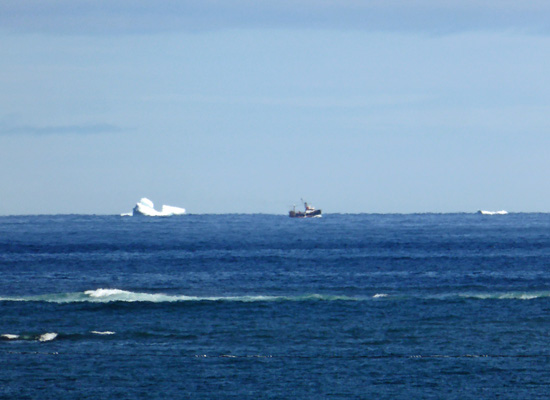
(147, 208)
(501, 212)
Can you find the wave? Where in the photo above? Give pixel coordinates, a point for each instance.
(43, 337)
(9, 336)
(46, 337)
(49, 336)
(117, 295)
(506, 295)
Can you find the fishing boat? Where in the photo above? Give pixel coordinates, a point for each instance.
(309, 212)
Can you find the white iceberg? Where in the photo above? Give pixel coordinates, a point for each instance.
(147, 208)
(501, 212)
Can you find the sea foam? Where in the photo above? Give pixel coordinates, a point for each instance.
(106, 295)
(9, 336)
(117, 295)
(506, 295)
(46, 337)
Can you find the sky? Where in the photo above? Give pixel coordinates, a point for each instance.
(392, 106)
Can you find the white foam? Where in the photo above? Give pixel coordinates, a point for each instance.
(501, 212)
(506, 295)
(105, 292)
(103, 295)
(527, 296)
(103, 332)
(147, 208)
(108, 295)
(9, 336)
(46, 337)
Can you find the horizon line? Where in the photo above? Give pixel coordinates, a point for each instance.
(276, 214)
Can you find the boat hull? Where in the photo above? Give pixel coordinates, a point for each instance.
(307, 214)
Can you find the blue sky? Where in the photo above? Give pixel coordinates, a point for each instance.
(246, 106)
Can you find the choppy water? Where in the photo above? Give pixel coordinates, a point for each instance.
(453, 306)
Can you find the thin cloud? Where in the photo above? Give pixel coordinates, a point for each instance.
(144, 16)
(92, 129)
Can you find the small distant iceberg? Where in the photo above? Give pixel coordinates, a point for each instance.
(501, 212)
(146, 207)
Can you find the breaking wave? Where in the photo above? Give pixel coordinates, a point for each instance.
(506, 295)
(118, 295)
(44, 337)
(9, 336)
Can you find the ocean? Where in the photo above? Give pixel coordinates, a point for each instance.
(364, 306)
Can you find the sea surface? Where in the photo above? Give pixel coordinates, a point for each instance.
(418, 306)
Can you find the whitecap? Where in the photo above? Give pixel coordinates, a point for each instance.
(379, 295)
(105, 292)
(506, 295)
(9, 336)
(103, 332)
(527, 296)
(106, 295)
(46, 337)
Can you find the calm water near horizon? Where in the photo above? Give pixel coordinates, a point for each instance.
(362, 306)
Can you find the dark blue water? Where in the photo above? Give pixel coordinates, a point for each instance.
(453, 306)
